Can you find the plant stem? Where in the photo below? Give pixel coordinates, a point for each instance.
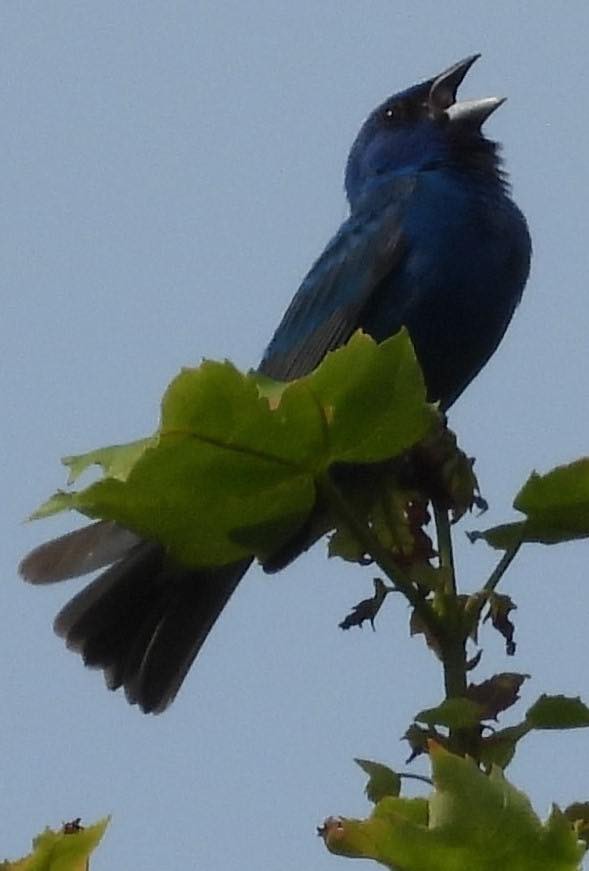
(454, 647)
(501, 567)
(444, 538)
(454, 662)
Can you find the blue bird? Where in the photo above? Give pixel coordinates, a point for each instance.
(433, 243)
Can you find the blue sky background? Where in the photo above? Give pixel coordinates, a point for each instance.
(169, 172)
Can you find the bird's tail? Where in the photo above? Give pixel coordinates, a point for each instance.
(144, 619)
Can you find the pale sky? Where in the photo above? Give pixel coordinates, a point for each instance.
(170, 170)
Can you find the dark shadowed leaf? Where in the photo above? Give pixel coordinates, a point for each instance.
(578, 814)
(497, 694)
(419, 739)
(500, 607)
(558, 712)
(457, 713)
(367, 609)
(499, 748)
(382, 780)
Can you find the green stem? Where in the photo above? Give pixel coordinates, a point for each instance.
(454, 662)
(501, 567)
(454, 658)
(444, 538)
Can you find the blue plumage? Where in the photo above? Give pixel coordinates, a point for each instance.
(433, 242)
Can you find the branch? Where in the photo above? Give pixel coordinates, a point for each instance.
(501, 567)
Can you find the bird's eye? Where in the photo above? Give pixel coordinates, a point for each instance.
(391, 114)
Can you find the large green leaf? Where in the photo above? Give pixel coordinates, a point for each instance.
(556, 506)
(471, 822)
(234, 467)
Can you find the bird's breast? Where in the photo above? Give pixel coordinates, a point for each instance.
(466, 263)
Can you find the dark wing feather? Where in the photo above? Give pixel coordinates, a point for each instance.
(144, 620)
(78, 553)
(328, 306)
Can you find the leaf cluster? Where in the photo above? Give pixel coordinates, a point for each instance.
(244, 467)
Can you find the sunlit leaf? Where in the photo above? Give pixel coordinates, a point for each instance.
(234, 468)
(63, 850)
(472, 822)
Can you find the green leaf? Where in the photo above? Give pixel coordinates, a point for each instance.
(373, 399)
(233, 470)
(496, 694)
(115, 461)
(499, 747)
(503, 537)
(60, 851)
(556, 505)
(172, 495)
(382, 781)
(456, 713)
(578, 814)
(500, 607)
(345, 545)
(473, 822)
(558, 712)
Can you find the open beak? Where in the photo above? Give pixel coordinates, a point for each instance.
(442, 96)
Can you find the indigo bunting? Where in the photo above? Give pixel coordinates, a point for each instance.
(434, 243)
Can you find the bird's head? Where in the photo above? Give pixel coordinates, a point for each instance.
(421, 128)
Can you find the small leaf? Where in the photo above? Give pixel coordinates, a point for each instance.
(500, 607)
(556, 505)
(344, 544)
(503, 537)
(418, 627)
(578, 814)
(446, 473)
(60, 501)
(558, 712)
(419, 739)
(367, 609)
(382, 780)
(456, 713)
(497, 694)
(115, 461)
(499, 748)
(473, 606)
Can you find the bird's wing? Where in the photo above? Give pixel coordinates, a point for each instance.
(326, 309)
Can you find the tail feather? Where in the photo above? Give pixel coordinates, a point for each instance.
(78, 553)
(143, 620)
